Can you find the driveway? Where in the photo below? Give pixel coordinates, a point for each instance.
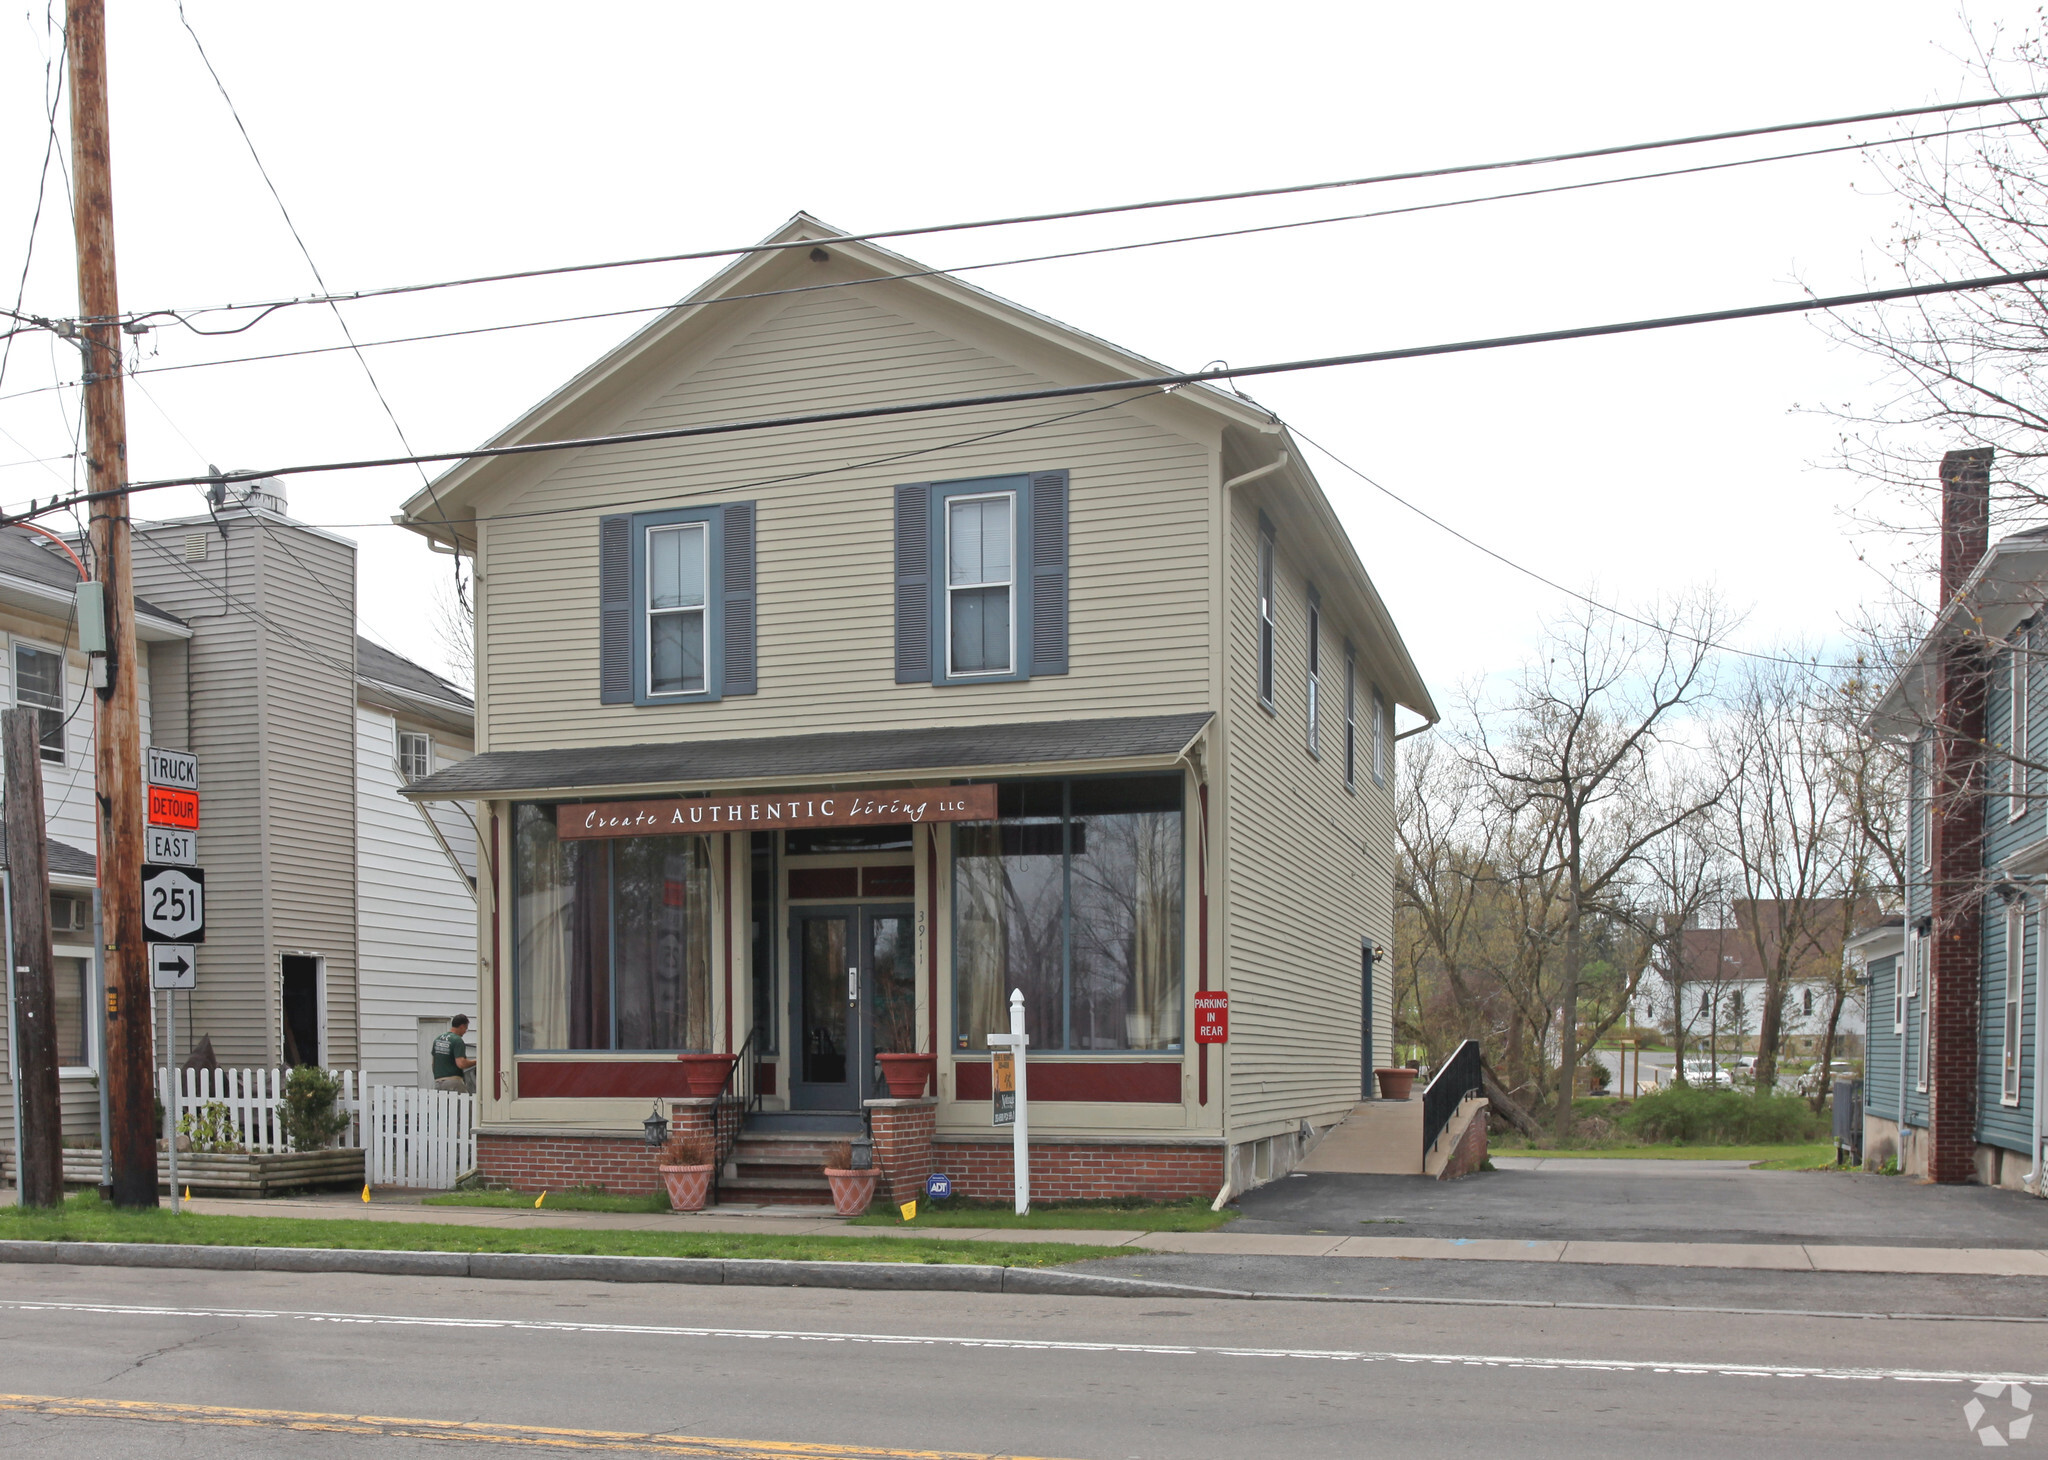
(1651, 1201)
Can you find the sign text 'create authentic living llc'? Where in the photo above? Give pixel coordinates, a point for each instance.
(694, 814)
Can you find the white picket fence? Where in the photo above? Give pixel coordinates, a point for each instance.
(411, 1137)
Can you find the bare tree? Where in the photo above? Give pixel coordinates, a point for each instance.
(1577, 748)
(1683, 875)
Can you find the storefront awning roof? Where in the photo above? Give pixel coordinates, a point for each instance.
(837, 756)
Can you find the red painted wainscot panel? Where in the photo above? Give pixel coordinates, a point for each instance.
(1152, 1083)
(600, 1079)
(815, 882)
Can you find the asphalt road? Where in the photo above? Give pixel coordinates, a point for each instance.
(104, 1361)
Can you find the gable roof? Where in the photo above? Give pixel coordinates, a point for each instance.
(398, 683)
(445, 509)
(35, 576)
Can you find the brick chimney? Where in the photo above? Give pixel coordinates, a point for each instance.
(1957, 823)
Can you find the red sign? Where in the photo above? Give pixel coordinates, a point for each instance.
(1212, 1018)
(171, 807)
(694, 814)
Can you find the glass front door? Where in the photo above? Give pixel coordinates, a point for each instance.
(854, 996)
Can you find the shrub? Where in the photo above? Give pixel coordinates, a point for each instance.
(210, 1130)
(308, 1116)
(1690, 1115)
(686, 1151)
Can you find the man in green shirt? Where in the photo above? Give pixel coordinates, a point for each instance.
(452, 1062)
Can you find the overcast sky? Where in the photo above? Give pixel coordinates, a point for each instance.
(414, 142)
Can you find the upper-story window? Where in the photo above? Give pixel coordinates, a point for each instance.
(1265, 612)
(1379, 737)
(676, 605)
(1350, 718)
(39, 683)
(1315, 670)
(415, 755)
(981, 584)
(2022, 656)
(981, 579)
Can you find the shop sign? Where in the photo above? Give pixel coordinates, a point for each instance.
(1212, 1018)
(1003, 1076)
(691, 814)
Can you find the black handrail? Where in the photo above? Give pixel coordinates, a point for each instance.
(738, 1098)
(1459, 1076)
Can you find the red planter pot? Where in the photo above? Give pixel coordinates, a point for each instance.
(908, 1074)
(1395, 1082)
(689, 1187)
(704, 1074)
(851, 1190)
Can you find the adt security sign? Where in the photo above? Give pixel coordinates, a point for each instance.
(938, 1187)
(172, 966)
(174, 904)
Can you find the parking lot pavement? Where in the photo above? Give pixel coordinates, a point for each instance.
(1652, 1201)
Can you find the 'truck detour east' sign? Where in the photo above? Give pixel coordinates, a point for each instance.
(695, 814)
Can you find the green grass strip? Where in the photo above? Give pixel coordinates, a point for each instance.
(1804, 1155)
(574, 1199)
(1117, 1216)
(86, 1219)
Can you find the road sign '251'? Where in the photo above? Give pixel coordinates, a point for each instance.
(174, 904)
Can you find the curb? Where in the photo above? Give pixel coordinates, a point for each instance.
(900, 1277)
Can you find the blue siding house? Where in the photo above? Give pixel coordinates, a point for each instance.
(1953, 1074)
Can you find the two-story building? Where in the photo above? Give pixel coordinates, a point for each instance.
(813, 743)
(1954, 1073)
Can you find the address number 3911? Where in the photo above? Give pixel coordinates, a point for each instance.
(174, 904)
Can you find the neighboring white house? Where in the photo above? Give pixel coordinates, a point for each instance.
(1716, 996)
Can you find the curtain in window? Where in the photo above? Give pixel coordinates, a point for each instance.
(1008, 897)
(73, 982)
(540, 930)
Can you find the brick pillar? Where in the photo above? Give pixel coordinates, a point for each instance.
(903, 1131)
(691, 1120)
(1957, 823)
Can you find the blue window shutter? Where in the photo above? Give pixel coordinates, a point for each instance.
(914, 583)
(1049, 572)
(740, 655)
(615, 610)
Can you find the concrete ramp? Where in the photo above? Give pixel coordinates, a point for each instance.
(1378, 1138)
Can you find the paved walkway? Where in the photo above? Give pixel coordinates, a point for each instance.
(1229, 1242)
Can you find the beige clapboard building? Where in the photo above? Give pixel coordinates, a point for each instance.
(809, 745)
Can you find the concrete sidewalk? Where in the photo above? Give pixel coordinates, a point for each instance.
(800, 1221)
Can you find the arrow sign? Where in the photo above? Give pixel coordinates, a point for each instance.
(172, 966)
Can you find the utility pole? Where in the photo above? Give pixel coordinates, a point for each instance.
(39, 1139)
(130, 1059)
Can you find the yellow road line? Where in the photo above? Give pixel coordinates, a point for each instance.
(531, 1436)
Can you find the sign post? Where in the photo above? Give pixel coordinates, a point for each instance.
(1007, 1096)
(171, 968)
(173, 905)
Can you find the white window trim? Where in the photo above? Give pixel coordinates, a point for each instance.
(649, 613)
(1009, 668)
(92, 1025)
(1379, 737)
(426, 753)
(1918, 994)
(1350, 720)
(1315, 674)
(2021, 729)
(1902, 981)
(1267, 571)
(2015, 992)
(14, 700)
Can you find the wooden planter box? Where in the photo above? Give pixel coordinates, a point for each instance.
(249, 1175)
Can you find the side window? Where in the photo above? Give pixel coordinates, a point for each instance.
(1315, 666)
(415, 755)
(2022, 657)
(676, 605)
(1350, 718)
(981, 579)
(39, 682)
(1265, 612)
(1379, 737)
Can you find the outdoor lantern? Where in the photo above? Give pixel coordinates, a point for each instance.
(656, 1126)
(863, 1155)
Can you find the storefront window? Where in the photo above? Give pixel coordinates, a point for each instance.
(611, 940)
(1074, 896)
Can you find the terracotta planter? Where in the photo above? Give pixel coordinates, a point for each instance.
(1396, 1082)
(704, 1074)
(689, 1187)
(851, 1190)
(908, 1074)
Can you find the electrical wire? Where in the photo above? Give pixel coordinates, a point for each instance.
(234, 600)
(1105, 210)
(925, 273)
(56, 95)
(1059, 392)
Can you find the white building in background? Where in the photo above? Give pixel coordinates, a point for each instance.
(1717, 993)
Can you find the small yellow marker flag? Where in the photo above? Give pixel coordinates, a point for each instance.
(541, 1198)
(188, 1193)
(366, 1191)
(909, 1210)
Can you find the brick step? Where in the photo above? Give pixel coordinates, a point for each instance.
(755, 1193)
(804, 1160)
(768, 1175)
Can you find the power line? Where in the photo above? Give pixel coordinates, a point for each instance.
(1105, 210)
(1060, 392)
(56, 94)
(925, 273)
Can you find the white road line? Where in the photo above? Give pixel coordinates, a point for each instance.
(1047, 1345)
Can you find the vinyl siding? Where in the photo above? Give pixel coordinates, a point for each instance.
(1881, 1064)
(273, 724)
(1309, 864)
(1140, 633)
(417, 916)
(1999, 1124)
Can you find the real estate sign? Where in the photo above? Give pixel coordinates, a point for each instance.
(1003, 1078)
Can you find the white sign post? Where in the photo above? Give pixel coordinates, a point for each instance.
(1020, 1127)
(172, 967)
